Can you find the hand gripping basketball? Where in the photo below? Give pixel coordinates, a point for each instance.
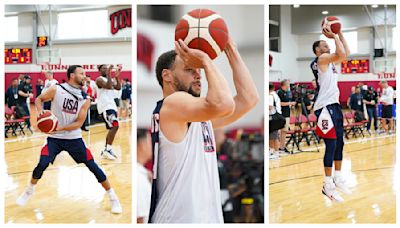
(191, 57)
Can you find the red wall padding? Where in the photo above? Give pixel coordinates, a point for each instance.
(344, 87)
(59, 76)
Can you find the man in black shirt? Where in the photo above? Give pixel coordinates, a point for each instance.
(12, 94)
(370, 100)
(286, 101)
(25, 92)
(356, 100)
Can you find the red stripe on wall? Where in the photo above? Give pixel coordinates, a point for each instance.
(344, 87)
(59, 76)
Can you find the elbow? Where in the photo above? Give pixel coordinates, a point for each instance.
(253, 101)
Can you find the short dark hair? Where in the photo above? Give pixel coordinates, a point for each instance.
(141, 134)
(100, 66)
(271, 86)
(71, 70)
(165, 61)
(315, 45)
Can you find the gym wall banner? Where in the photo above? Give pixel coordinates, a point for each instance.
(120, 20)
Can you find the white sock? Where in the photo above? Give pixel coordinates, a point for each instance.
(328, 179)
(31, 186)
(111, 194)
(338, 173)
(108, 147)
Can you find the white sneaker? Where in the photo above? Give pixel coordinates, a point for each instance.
(274, 156)
(25, 196)
(116, 207)
(108, 154)
(329, 190)
(341, 184)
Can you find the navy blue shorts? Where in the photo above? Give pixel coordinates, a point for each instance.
(110, 117)
(76, 148)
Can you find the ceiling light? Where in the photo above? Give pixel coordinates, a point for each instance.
(296, 6)
(325, 12)
(375, 6)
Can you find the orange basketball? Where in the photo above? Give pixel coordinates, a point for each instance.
(47, 122)
(332, 22)
(203, 29)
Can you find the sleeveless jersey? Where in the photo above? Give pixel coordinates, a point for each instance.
(105, 98)
(186, 182)
(66, 105)
(327, 85)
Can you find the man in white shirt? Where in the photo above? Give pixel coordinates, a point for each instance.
(143, 175)
(387, 106)
(50, 81)
(274, 106)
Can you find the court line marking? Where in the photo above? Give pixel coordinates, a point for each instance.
(39, 134)
(318, 175)
(323, 146)
(69, 167)
(348, 152)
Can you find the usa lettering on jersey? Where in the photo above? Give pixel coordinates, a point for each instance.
(70, 106)
(208, 142)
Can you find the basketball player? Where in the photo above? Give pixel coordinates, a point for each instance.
(186, 183)
(106, 105)
(49, 82)
(328, 110)
(70, 106)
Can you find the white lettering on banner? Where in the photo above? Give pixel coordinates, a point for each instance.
(383, 75)
(64, 67)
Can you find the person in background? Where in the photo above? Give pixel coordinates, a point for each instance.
(144, 155)
(49, 82)
(285, 97)
(274, 106)
(387, 101)
(39, 87)
(353, 91)
(126, 97)
(21, 78)
(24, 96)
(11, 95)
(356, 100)
(371, 100)
(315, 88)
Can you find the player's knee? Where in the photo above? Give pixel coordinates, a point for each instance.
(40, 168)
(115, 125)
(95, 169)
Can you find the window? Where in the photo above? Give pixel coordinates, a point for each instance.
(351, 38)
(11, 26)
(81, 25)
(274, 28)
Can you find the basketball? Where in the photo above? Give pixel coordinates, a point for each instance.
(47, 122)
(332, 22)
(203, 29)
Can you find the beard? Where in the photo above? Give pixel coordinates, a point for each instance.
(181, 87)
(80, 83)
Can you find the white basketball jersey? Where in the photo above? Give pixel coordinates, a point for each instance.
(105, 98)
(188, 181)
(328, 87)
(66, 108)
(49, 83)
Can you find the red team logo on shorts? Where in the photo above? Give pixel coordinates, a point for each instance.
(207, 138)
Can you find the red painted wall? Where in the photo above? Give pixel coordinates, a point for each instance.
(345, 87)
(59, 76)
